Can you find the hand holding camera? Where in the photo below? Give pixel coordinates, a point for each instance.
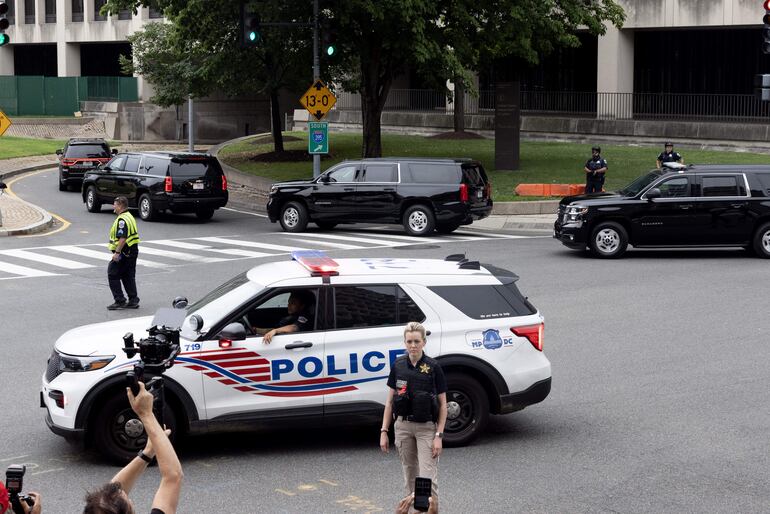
(19, 502)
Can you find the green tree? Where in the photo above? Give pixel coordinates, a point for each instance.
(199, 51)
(443, 39)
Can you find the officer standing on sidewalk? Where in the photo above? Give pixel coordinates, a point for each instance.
(124, 245)
(417, 397)
(595, 169)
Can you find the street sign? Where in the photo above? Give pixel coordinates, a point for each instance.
(318, 137)
(318, 100)
(5, 122)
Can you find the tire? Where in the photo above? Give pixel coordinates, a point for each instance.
(609, 240)
(762, 241)
(467, 409)
(419, 220)
(117, 432)
(146, 210)
(293, 217)
(447, 228)
(92, 200)
(325, 225)
(205, 214)
(62, 185)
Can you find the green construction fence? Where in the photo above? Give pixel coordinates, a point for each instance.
(61, 96)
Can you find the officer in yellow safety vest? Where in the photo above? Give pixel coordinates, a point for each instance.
(124, 245)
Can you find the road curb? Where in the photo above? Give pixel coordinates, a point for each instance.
(34, 228)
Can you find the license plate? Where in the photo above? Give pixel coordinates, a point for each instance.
(197, 185)
(479, 194)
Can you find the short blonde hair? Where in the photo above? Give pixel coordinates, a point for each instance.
(415, 326)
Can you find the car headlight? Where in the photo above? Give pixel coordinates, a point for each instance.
(73, 363)
(574, 213)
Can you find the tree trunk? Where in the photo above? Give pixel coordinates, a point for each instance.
(459, 115)
(275, 121)
(372, 128)
(375, 86)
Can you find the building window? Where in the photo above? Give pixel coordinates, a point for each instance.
(29, 11)
(124, 14)
(98, 4)
(154, 13)
(50, 11)
(77, 10)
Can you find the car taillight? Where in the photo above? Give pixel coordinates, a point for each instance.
(168, 184)
(68, 162)
(488, 190)
(534, 333)
(224, 183)
(463, 192)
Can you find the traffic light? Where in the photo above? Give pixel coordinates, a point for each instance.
(766, 28)
(329, 39)
(251, 29)
(4, 38)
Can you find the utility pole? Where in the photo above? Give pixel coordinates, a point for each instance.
(190, 125)
(316, 76)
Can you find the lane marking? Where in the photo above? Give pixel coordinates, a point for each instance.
(372, 241)
(23, 271)
(103, 256)
(250, 244)
(46, 471)
(178, 255)
(340, 246)
(45, 259)
(328, 482)
(226, 251)
(284, 491)
(245, 212)
(65, 224)
(14, 458)
(411, 239)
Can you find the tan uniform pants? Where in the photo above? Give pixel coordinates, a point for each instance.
(414, 442)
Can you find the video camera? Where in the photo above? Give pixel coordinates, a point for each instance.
(14, 483)
(156, 354)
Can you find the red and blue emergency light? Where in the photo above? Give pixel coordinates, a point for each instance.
(316, 262)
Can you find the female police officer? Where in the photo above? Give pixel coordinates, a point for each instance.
(417, 398)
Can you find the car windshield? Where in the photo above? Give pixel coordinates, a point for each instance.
(640, 183)
(80, 151)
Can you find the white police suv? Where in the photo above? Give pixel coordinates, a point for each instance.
(486, 335)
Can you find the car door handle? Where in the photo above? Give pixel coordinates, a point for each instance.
(350, 189)
(737, 205)
(298, 344)
(685, 207)
(389, 189)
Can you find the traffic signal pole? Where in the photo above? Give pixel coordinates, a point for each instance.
(316, 76)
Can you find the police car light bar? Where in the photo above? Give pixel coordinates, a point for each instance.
(316, 262)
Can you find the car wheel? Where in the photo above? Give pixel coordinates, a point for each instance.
(294, 217)
(762, 241)
(325, 225)
(205, 214)
(146, 209)
(609, 240)
(467, 410)
(92, 200)
(419, 220)
(118, 432)
(447, 228)
(62, 185)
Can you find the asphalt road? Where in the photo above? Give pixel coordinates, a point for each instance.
(658, 401)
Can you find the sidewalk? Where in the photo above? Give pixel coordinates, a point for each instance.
(247, 192)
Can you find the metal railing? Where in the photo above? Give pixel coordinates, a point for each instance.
(608, 106)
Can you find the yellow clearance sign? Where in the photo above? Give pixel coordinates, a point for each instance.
(5, 122)
(318, 100)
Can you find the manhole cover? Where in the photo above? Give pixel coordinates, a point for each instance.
(417, 247)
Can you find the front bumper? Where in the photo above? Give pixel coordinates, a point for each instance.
(272, 209)
(70, 434)
(517, 401)
(571, 235)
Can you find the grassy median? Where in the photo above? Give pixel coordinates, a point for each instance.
(24, 147)
(541, 162)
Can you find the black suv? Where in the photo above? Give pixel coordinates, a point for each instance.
(701, 205)
(421, 194)
(158, 181)
(78, 156)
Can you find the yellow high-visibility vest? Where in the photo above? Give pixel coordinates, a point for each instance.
(132, 238)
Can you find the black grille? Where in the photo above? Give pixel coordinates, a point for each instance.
(53, 370)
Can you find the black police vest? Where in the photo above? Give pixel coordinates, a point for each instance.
(418, 402)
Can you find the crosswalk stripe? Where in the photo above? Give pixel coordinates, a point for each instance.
(23, 271)
(46, 259)
(250, 244)
(226, 251)
(486, 235)
(339, 246)
(412, 239)
(371, 241)
(178, 255)
(104, 256)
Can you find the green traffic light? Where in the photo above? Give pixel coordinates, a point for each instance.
(253, 36)
(4, 39)
(330, 50)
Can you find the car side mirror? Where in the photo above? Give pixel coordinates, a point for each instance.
(114, 151)
(233, 332)
(325, 179)
(106, 168)
(652, 193)
(58, 152)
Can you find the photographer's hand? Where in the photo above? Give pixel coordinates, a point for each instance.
(142, 402)
(37, 508)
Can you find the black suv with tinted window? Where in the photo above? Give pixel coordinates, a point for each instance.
(677, 206)
(78, 156)
(157, 181)
(420, 194)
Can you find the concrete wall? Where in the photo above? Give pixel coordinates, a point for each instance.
(646, 14)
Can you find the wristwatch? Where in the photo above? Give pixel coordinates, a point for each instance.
(440, 435)
(146, 458)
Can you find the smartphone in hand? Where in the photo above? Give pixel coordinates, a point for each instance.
(422, 492)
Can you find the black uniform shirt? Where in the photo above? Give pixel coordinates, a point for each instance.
(596, 164)
(669, 157)
(303, 321)
(438, 374)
